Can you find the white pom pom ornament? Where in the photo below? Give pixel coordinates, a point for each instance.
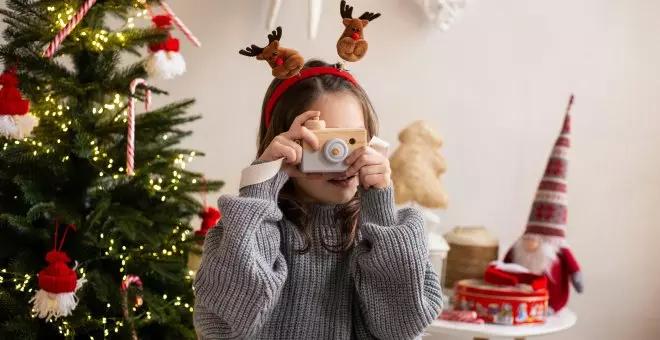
(15, 120)
(165, 61)
(58, 285)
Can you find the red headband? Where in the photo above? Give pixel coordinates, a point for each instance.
(304, 74)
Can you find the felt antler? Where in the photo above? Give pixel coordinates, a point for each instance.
(351, 45)
(284, 62)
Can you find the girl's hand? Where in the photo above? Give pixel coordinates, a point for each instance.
(372, 166)
(285, 145)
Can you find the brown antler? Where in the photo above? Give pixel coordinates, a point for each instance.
(345, 10)
(275, 35)
(251, 51)
(369, 16)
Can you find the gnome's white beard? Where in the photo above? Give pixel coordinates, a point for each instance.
(166, 65)
(48, 305)
(541, 260)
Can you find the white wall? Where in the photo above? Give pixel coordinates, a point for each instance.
(495, 86)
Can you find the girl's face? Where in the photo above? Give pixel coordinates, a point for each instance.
(338, 110)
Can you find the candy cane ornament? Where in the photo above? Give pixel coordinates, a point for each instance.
(130, 280)
(61, 35)
(180, 24)
(130, 145)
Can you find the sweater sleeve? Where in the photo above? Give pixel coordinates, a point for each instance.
(398, 289)
(243, 270)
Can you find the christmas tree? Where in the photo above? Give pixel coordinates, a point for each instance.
(127, 234)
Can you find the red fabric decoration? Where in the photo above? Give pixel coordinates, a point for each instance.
(500, 277)
(210, 216)
(57, 277)
(11, 100)
(171, 44)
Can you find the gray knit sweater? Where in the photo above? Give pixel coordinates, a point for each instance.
(253, 285)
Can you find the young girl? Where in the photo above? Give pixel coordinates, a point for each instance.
(326, 256)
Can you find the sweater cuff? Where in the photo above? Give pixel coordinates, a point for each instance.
(267, 190)
(377, 206)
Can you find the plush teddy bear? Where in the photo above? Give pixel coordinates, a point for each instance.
(416, 167)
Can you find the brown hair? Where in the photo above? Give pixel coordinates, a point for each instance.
(297, 100)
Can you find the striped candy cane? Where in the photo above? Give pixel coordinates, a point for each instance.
(52, 47)
(130, 147)
(130, 279)
(180, 24)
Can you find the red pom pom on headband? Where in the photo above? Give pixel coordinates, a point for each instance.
(304, 74)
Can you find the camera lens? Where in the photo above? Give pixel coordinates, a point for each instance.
(335, 150)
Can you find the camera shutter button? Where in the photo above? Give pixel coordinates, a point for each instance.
(335, 150)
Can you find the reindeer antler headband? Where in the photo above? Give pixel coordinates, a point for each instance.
(287, 64)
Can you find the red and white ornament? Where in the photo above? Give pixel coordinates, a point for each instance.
(15, 119)
(130, 144)
(165, 61)
(542, 248)
(209, 215)
(58, 284)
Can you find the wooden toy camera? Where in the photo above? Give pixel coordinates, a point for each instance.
(336, 144)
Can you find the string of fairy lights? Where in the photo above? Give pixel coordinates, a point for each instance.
(109, 168)
(99, 38)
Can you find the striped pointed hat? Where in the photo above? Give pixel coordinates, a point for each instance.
(549, 211)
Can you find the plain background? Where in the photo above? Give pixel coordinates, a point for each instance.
(495, 87)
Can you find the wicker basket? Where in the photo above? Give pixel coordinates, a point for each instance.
(471, 249)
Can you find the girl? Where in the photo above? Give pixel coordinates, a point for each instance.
(325, 256)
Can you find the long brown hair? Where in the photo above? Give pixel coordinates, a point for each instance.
(296, 100)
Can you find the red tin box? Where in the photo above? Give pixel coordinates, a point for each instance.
(500, 304)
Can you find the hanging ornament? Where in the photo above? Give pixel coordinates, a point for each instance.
(442, 13)
(315, 9)
(73, 22)
(58, 283)
(130, 144)
(131, 280)
(273, 12)
(15, 120)
(210, 217)
(165, 61)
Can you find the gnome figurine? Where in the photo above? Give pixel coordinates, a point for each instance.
(542, 248)
(165, 61)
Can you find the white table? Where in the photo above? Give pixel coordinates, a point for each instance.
(557, 323)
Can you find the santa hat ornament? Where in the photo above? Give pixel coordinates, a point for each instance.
(209, 215)
(165, 60)
(15, 120)
(550, 210)
(58, 284)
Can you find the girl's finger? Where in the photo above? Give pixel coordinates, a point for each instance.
(366, 159)
(309, 137)
(295, 131)
(293, 145)
(379, 181)
(357, 153)
(374, 169)
(282, 150)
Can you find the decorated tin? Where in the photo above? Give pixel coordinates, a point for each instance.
(503, 305)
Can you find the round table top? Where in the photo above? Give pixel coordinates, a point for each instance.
(565, 319)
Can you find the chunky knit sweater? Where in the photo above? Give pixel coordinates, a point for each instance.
(252, 284)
